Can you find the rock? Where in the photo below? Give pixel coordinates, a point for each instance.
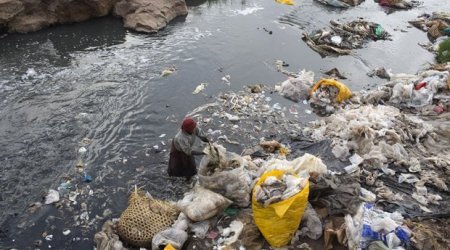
(9, 9)
(30, 23)
(141, 15)
(30, 15)
(149, 15)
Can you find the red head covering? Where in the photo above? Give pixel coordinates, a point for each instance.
(188, 125)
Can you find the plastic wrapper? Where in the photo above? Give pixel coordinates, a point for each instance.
(279, 221)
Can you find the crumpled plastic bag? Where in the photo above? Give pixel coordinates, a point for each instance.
(279, 221)
(297, 89)
(107, 239)
(307, 162)
(201, 204)
(172, 236)
(343, 94)
(313, 228)
(52, 196)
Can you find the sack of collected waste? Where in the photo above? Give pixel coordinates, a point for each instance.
(278, 203)
(224, 173)
(144, 217)
(331, 89)
(201, 204)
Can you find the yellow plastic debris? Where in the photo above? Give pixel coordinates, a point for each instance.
(169, 247)
(344, 92)
(279, 221)
(287, 2)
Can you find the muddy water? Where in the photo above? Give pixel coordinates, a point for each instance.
(97, 80)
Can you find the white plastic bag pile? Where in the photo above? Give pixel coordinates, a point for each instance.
(307, 162)
(371, 224)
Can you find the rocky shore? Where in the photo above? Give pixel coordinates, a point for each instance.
(141, 15)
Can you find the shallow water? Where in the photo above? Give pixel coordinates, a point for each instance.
(99, 81)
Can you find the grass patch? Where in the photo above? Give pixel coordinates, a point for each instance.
(443, 54)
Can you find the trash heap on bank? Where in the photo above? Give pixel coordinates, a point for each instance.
(392, 146)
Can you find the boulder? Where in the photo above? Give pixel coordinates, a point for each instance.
(149, 15)
(9, 9)
(30, 15)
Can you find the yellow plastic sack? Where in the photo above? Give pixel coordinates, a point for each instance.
(169, 247)
(344, 92)
(279, 221)
(287, 2)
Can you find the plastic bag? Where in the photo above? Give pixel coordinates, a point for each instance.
(313, 228)
(107, 239)
(344, 92)
(231, 183)
(201, 204)
(307, 163)
(287, 2)
(297, 89)
(172, 236)
(279, 221)
(310, 163)
(200, 228)
(52, 196)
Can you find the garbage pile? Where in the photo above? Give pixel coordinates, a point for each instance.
(394, 155)
(327, 94)
(425, 93)
(242, 114)
(398, 4)
(340, 39)
(341, 3)
(436, 25)
(396, 148)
